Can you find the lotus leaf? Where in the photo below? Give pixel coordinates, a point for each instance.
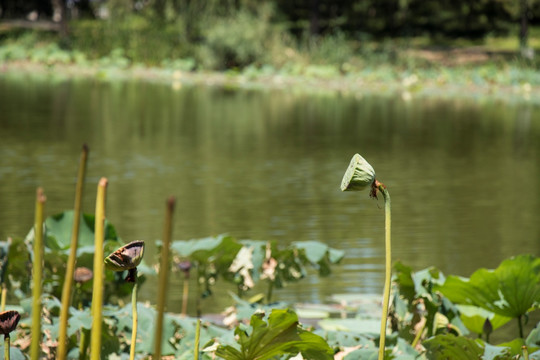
(474, 318)
(281, 335)
(511, 290)
(448, 346)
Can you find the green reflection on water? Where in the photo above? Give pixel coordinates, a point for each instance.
(464, 175)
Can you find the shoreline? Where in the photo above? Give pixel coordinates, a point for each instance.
(408, 88)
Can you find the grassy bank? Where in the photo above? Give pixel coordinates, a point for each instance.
(264, 57)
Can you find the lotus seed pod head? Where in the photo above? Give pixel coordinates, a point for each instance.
(359, 175)
(8, 321)
(82, 274)
(127, 257)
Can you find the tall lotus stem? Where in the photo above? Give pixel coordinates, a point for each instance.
(388, 264)
(8, 323)
(97, 289)
(197, 339)
(163, 276)
(70, 269)
(82, 275)
(37, 274)
(128, 257)
(185, 266)
(135, 321)
(358, 176)
(7, 345)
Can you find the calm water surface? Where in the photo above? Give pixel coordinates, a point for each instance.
(464, 176)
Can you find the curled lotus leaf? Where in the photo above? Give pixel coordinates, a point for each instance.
(82, 274)
(8, 321)
(127, 257)
(358, 176)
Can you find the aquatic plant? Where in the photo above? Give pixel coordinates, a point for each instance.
(70, 266)
(128, 257)
(511, 290)
(37, 274)
(359, 176)
(8, 323)
(80, 276)
(163, 276)
(97, 292)
(279, 335)
(246, 262)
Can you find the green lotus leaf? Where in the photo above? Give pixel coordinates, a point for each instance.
(511, 290)
(448, 346)
(474, 318)
(281, 335)
(127, 257)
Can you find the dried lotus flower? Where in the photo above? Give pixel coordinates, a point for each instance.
(128, 257)
(8, 321)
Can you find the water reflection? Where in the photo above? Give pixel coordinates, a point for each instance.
(464, 176)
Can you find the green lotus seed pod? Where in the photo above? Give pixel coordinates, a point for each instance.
(359, 175)
(127, 257)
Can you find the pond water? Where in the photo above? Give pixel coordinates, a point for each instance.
(464, 175)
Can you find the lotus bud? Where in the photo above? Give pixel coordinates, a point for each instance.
(488, 327)
(128, 257)
(185, 266)
(82, 275)
(8, 321)
(359, 175)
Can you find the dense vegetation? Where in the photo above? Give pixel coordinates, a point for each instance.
(226, 34)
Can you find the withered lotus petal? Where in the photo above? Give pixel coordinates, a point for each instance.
(127, 257)
(82, 274)
(8, 321)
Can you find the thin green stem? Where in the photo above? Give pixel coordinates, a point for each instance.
(3, 298)
(163, 276)
(185, 296)
(70, 268)
(135, 320)
(419, 335)
(6, 346)
(520, 326)
(269, 292)
(97, 289)
(197, 339)
(525, 352)
(388, 267)
(37, 274)
(83, 344)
